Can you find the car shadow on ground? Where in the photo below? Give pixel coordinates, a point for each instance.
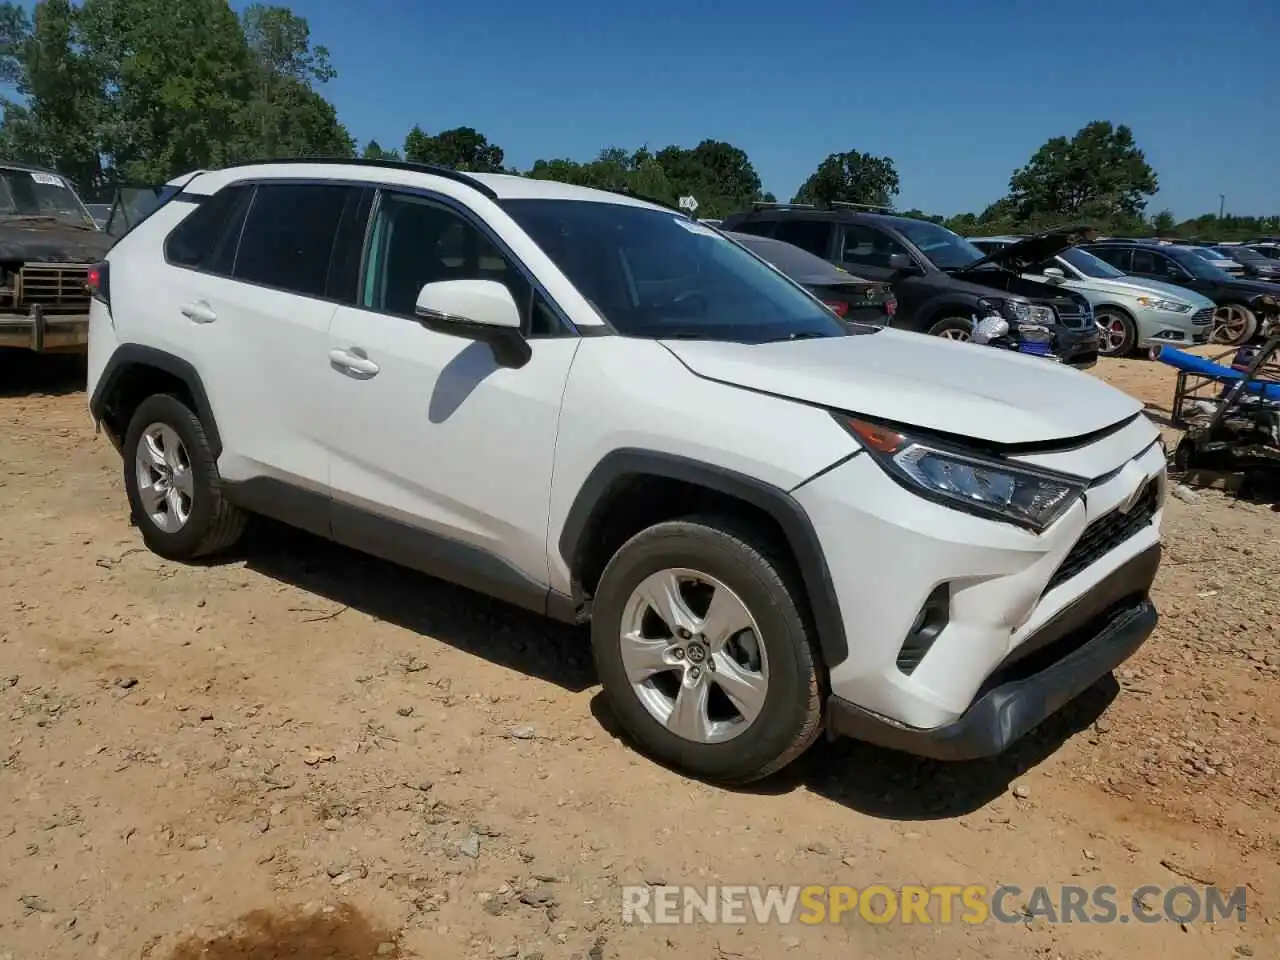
(23, 373)
(890, 785)
(873, 781)
(498, 632)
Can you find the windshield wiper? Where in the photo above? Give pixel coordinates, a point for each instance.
(802, 335)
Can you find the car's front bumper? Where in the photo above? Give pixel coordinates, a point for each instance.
(43, 332)
(1077, 346)
(1090, 638)
(889, 551)
(1176, 329)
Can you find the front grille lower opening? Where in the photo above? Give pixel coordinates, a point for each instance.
(1105, 534)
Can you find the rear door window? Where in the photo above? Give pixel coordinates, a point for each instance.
(811, 235)
(289, 235)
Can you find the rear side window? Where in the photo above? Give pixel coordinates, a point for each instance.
(811, 235)
(289, 235)
(1118, 257)
(206, 238)
(759, 228)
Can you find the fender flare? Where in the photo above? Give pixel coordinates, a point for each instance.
(132, 356)
(616, 469)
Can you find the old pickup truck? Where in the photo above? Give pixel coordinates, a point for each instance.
(48, 241)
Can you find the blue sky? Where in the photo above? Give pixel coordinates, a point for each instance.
(958, 93)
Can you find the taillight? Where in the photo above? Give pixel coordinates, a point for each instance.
(839, 308)
(891, 306)
(97, 282)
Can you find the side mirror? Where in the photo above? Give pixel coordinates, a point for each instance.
(1055, 274)
(901, 262)
(482, 310)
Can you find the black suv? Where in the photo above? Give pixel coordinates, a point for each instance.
(1243, 305)
(941, 280)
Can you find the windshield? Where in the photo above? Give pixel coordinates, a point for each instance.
(1209, 254)
(1089, 265)
(651, 273)
(945, 250)
(32, 193)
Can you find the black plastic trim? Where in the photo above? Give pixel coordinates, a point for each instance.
(1096, 633)
(130, 355)
(401, 543)
(621, 466)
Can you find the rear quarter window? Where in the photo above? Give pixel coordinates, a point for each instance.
(206, 238)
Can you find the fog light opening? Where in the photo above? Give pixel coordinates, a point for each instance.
(932, 619)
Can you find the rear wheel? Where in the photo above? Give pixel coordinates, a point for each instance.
(1118, 334)
(172, 481)
(953, 328)
(703, 650)
(1234, 324)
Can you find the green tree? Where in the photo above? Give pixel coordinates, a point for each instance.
(176, 77)
(851, 177)
(373, 151)
(718, 174)
(461, 148)
(286, 116)
(64, 107)
(1163, 223)
(1098, 174)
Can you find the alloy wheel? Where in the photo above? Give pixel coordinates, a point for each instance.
(692, 652)
(955, 333)
(1231, 324)
(166, 485)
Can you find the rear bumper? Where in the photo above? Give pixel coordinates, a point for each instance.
(1083, 643)
(41, 333)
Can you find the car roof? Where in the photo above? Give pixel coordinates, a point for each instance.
(495, 186)
(795, 262)
(27, 167)
(836, 214)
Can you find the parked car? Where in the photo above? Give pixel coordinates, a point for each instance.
(1254, 263)
(776, 524)
(1130, 312)
(1242, 304)
(850, 298)
(1268, 249)
(940, 279)
(47, 242)
(1223, 262)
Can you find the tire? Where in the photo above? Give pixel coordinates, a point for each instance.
(1234, 324)
(211, 524)
(1119, 334)
(724, 554)
(952, 328)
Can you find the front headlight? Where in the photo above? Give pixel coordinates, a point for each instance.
(1022, 311)
(1172, 306)
(986, 486)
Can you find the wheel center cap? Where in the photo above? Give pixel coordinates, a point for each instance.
(696, 652)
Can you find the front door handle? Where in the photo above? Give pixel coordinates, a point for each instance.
(348, 362)
(199, 312)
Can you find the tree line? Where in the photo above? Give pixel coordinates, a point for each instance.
(138, 91)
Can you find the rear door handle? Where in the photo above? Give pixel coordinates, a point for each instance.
(199, 312)
(348, 362)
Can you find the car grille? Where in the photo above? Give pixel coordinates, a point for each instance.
(56, 287)
(1072, 316)
(1106, 533)
(1203, 317)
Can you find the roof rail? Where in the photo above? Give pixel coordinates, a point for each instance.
(447, 173)
(874, 207)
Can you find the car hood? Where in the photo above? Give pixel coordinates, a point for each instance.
(1019, 256)
(1138, 286)
(43, 239)
(983, 393)
(1243, 285)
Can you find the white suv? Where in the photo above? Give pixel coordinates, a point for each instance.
(598, 408)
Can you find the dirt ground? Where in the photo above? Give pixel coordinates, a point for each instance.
(302, 752)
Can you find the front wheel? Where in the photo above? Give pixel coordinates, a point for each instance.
(953, 328)
(1117, 333)
(704, 652)
(1234, 324)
